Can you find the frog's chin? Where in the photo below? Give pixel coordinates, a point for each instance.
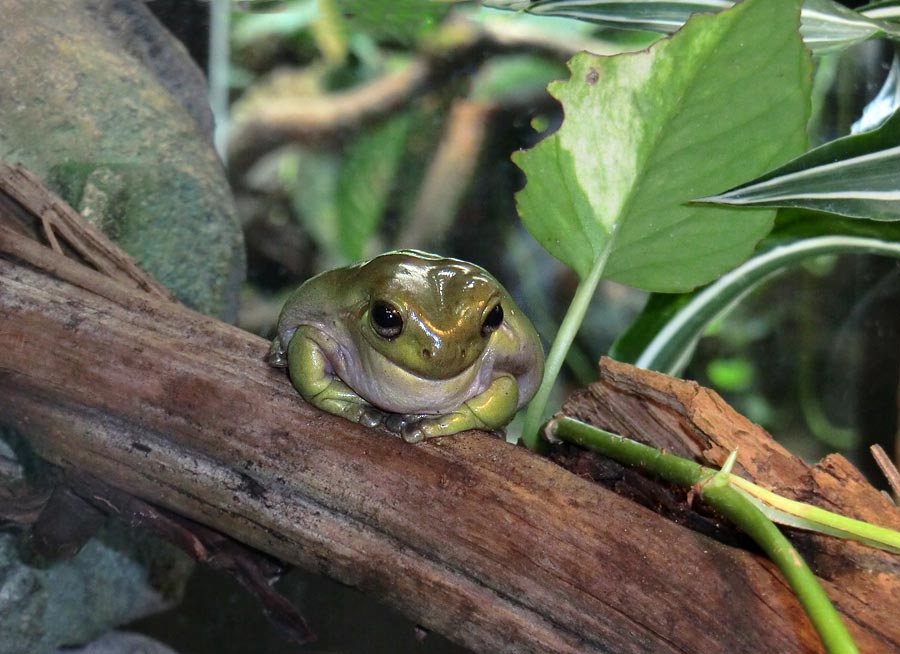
(385, 385)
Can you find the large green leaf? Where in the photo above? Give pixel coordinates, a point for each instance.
(610, 192)
(723, 99)
(856, 176)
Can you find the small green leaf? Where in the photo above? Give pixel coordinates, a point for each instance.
(652, 15)
(514, 76)
(659, 309)
(644, 132)
(295, 16)
(883, 10)
(826, 25)
(855, 176)
(670, 349)
(403, 21)
(883, 105)
(365, 182)
(733, 375)
(310, 180)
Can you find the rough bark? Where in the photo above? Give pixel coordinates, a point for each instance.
(691, 421)
(492, 546)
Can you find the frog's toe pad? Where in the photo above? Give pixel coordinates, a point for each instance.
(413, 433)
(370, 417)
(396, 422)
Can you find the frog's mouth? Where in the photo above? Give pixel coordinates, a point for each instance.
(387, 386)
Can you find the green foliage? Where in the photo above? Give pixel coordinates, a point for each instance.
(293, 17)
(731, 374)
(610, 193)
(366, 179)
(645, 132)
(514, 76)
(659, 310)
(403, 21)
(310, 180)
(853, 176)
(670, 326)
(826, 25)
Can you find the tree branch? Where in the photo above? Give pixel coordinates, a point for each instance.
(484, 542)
(260, 127)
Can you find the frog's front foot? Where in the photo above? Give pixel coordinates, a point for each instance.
(369, 416)
(410, 427)
(364, 414)
(415, 429)
(338, 401)
(490, 411)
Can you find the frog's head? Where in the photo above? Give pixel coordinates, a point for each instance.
(429, 315)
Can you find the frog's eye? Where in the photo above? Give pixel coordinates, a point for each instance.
(492, 320)
(386, 319)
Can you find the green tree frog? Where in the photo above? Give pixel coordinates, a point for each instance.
(424, 345)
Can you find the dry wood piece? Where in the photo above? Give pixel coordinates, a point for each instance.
(496, 548)
(888, 469)
(26, 203)
(691, 421)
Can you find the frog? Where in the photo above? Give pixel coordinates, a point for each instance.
(420, 344)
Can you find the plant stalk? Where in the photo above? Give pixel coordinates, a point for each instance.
(585, 292)
(825, 619)
(715, 488)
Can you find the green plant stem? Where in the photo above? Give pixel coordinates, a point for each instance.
(804, 516)
(715, 488)
(672, 468)
(742, 512)
(670, 349)
(585, 292)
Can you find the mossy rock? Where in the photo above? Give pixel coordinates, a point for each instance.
(101, 102)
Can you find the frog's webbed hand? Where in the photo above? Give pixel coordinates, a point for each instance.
(492, 409)
(314, 379)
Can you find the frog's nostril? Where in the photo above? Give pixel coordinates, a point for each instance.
(426, 353)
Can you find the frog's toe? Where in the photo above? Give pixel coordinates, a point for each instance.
(370, 417)
(396, 422)
(413, 433)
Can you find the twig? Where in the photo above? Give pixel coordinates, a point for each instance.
(888, 469)
(715, 489)
(36, 203)
(462, 47)
(448, 175)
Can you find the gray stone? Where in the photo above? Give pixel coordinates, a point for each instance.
(79, 107)
(122, 642)
(114, 579)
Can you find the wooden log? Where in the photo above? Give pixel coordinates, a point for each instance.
(496, 548)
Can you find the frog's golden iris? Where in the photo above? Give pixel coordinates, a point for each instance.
(425, 345)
